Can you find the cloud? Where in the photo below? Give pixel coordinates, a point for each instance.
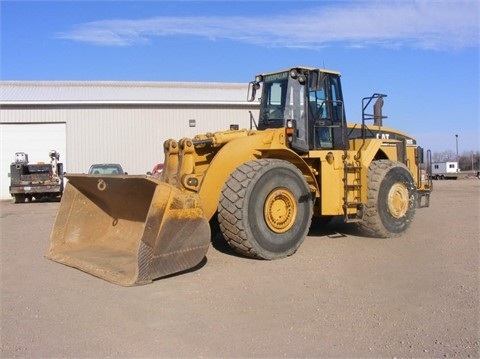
(440, 25)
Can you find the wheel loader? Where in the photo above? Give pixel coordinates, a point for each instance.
(299, 160)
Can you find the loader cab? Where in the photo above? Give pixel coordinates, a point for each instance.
(307, 102)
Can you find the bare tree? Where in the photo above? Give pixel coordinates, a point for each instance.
(444, 156)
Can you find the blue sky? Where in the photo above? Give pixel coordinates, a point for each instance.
(423, 54)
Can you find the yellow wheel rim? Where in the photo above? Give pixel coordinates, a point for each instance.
(280, 210)
(398, 200)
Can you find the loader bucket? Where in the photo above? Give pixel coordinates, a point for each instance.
(128, 230)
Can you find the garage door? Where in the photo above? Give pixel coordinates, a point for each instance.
(37, 140)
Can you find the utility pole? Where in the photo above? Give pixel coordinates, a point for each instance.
(456, 142)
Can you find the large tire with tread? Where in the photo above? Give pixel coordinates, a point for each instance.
(391, 199)
(265, 209)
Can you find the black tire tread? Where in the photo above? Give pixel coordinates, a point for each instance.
(231, 208)
(233, 192)
(372, 223)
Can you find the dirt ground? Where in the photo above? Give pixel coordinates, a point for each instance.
(340, 295)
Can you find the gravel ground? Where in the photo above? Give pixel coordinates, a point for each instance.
(340, 295)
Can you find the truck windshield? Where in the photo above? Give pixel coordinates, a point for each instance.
(105, 169)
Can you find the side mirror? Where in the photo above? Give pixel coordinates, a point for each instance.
(252, 90)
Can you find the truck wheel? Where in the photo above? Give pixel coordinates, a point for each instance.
(19, 198)
(391, 199)
(265, 209)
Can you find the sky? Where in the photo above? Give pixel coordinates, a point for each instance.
(423, 54)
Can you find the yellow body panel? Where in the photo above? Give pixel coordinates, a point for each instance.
(229, 149)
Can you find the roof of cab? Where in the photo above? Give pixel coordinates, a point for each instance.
(308, 68)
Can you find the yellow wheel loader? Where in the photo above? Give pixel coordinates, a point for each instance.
(300, 159)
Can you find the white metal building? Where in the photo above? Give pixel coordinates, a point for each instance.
(110, 122)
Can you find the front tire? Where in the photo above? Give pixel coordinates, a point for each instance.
(265, 209)
(391, 199)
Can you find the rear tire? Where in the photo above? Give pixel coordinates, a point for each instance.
(391, 199)
(265, 209)
(19, 198)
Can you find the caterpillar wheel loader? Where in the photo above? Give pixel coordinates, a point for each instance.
(299, 159)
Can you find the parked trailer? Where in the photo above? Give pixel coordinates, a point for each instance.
(445, 170)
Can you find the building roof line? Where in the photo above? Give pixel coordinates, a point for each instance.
(116, 102)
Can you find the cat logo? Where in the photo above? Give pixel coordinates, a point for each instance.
(383, 136)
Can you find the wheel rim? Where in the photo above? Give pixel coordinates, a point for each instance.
(398, 200)
(280, 210)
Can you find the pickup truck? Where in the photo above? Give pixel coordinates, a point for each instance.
(106, 169)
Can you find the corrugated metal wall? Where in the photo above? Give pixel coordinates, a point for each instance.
(132, 135)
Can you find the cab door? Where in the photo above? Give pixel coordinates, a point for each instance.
(296, 112)
(326, 112)
(338, 125)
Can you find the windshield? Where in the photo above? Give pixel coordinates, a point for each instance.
(282, 99)
(273, 100)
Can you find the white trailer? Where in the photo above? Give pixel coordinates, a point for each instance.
(443, 170)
